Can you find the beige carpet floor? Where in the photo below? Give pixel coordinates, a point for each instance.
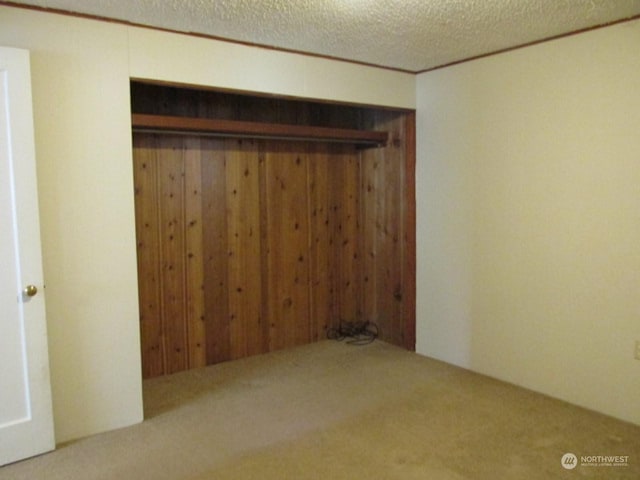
(333, 411)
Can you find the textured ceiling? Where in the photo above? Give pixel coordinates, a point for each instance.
(412, 35)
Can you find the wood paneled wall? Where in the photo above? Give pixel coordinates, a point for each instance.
(248, 246)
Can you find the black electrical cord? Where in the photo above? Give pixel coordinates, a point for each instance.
(359, 333)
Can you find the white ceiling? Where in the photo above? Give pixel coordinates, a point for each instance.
(412, 35)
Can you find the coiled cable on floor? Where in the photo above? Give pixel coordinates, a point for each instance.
(358, 333)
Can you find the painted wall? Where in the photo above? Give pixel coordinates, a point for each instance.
(81, 70)
(528, 175)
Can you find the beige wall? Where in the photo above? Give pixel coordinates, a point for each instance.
(529, 217)
(83, 151)
(184, 59)
(81, 71)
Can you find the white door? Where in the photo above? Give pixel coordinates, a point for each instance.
(26, 419)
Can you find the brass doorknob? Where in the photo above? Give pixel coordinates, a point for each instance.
(30, 290)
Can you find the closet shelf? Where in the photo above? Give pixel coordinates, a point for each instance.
(234, 128)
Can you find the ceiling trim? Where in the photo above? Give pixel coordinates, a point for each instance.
(529, 44)
(311, 54)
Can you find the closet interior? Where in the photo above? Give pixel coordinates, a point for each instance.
(262, 222)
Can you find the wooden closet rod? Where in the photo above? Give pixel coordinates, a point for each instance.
(208, 126)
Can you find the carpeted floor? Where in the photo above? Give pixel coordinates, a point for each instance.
(333, 411)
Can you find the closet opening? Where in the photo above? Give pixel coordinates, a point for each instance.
(262, 222)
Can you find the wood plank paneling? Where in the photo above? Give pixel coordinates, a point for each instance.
(288, 244)
(243, 237)
(194, 260)
(345, 182)
(247, 246)
(384, 236)
(172, 247)
(369, 187)
(321, 279)
(147, 231)
(389, 234)
(215, 250)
